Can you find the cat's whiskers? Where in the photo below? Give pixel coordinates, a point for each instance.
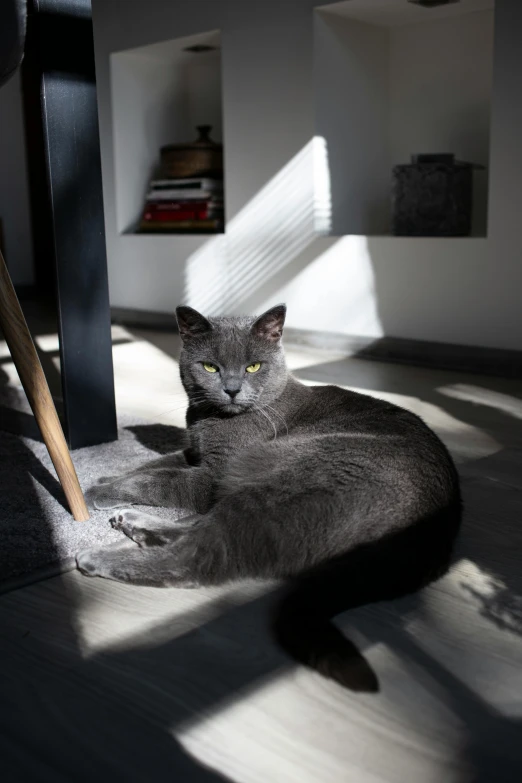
(200, 399)
(171, 410)
(267, 417)
(196, 399)
(278, 414)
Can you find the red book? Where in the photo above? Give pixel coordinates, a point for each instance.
(170, 215)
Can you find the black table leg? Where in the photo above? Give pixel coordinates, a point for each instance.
(60, 58)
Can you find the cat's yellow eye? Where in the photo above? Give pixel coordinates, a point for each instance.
(210, 367)
(253, 367)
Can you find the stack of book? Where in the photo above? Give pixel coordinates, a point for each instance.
(192, 205)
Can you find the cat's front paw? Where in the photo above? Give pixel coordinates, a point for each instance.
(139, 527)
(125, 521)
(86, 562)
(106, 479)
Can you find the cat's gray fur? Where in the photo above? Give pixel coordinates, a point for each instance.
(352, 498)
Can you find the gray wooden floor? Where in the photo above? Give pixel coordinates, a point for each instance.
(100, 681)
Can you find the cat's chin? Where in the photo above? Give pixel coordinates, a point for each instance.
(234, 408)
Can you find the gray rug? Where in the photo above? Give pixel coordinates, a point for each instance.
(38, 535)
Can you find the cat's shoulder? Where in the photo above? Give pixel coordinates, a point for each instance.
(338, 397)
(337, 393)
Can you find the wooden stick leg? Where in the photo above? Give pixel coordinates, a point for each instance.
(29, 369)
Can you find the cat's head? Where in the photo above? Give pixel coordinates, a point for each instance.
(232, 363)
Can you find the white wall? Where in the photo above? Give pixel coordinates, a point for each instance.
(14, 198)
(465, 290)
(351, 82)
(203, 80)
(440, 94)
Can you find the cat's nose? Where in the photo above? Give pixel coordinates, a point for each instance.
(232, 392)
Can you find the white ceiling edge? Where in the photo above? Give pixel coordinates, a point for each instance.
(173, 49)
(394, 13)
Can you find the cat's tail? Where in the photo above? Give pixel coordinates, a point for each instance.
(378, 571)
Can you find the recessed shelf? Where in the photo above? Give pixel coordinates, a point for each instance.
(160, 94)
(393, 79)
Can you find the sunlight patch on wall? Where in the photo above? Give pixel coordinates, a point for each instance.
(339, 281)
(322, 187)
(271, 230)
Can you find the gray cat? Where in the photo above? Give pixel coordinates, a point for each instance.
(352, 498)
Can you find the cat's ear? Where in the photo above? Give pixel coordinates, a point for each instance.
(191, 323)
(269, 326)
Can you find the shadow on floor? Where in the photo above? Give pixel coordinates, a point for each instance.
(162, 438)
